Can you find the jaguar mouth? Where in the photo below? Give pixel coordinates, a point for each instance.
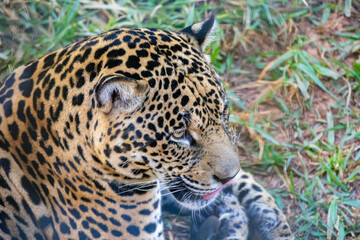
(212, 194)
(192, 197)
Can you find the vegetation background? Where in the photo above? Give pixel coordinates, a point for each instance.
(291, 69)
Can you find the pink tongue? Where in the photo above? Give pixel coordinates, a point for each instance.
(210, 195)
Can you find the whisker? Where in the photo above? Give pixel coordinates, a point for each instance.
(169, 193)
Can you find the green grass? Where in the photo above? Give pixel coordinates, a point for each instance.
(291, 74)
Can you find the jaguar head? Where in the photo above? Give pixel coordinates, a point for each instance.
(164, 114)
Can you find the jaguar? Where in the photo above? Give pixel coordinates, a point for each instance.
(90, 134)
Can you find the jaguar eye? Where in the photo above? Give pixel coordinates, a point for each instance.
(182, 136)
(178, 134)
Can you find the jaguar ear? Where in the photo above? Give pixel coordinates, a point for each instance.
(120, 92)
(201, 32)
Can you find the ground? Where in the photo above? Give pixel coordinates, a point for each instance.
(291, 69)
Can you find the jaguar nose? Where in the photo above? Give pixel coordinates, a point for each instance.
(223, 180)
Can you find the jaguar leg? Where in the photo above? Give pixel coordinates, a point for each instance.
(233, 220)
(228, 221)
(264, 215)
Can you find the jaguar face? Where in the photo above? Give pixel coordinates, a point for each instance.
(212, 165)
(166, 113)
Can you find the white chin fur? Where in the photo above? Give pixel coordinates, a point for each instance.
(197, 205)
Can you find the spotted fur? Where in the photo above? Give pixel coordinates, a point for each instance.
(87, 133)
